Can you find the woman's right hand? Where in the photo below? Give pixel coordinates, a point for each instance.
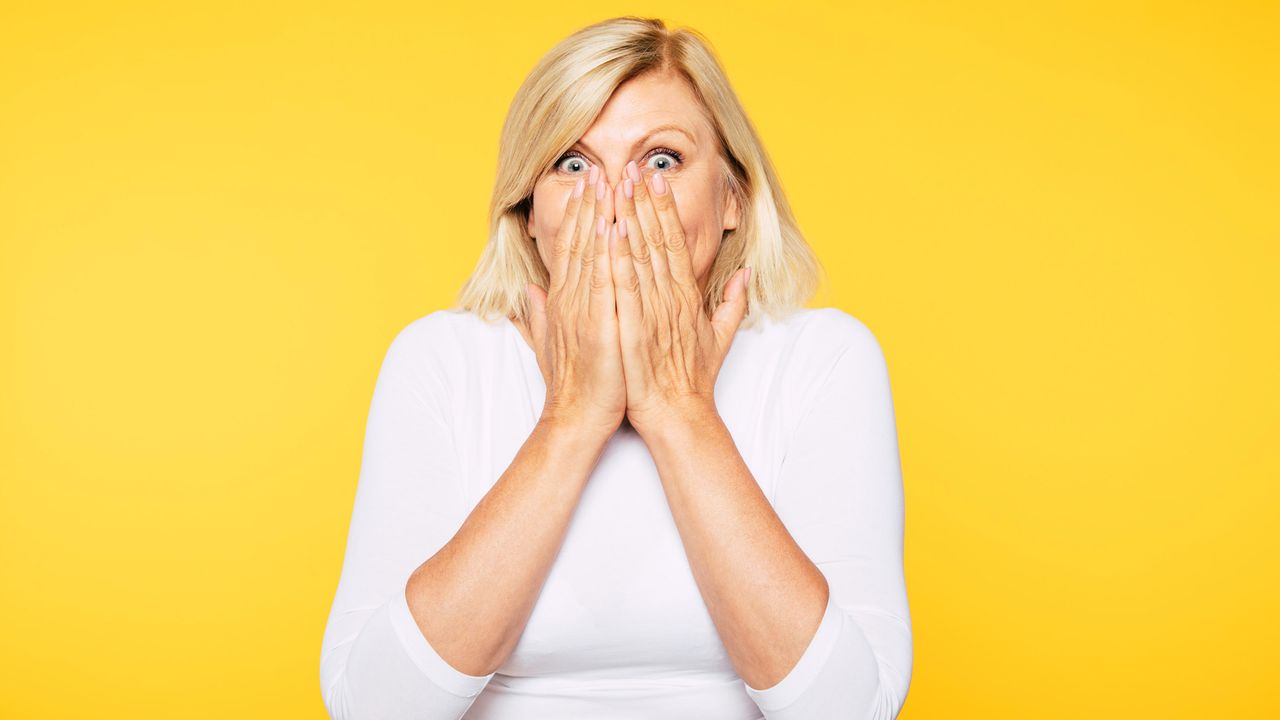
(574, 323)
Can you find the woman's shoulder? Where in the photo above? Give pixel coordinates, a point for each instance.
(444, 337)
(812, 343)
(447, 322)
(821, 331)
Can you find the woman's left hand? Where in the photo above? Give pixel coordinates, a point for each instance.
(671, 350)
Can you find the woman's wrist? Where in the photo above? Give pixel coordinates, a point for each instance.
(676, 424)
(576, 426)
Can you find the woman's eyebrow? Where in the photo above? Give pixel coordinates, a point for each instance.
(654, 131)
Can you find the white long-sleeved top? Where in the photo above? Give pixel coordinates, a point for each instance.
(620, 629)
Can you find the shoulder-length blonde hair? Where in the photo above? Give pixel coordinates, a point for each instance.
(555, 106)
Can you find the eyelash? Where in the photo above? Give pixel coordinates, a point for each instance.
(656, 151)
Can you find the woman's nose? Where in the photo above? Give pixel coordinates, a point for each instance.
(612, 174)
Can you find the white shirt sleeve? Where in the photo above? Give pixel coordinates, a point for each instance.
(840, 495)
(375, 663)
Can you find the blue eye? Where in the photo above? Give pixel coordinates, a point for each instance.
(572, 162)
(659, 152)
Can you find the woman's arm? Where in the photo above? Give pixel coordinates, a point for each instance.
(414, 638)
(813, 615)
(473, 598)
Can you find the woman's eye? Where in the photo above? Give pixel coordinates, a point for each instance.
(663, 159)
(572, 163)
(659, 159)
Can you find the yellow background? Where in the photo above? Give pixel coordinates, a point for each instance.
(1059, 220)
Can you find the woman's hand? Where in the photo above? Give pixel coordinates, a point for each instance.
(574, 323)
(671, 350)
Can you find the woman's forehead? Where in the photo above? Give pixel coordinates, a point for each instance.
(644, 106)
(633, 135)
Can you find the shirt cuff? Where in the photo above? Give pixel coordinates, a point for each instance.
(426, 658)
(807, 668)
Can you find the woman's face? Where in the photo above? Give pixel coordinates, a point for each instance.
(656, 121)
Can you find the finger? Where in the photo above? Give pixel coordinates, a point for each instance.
(591, 258)
(636, 271)
(729, 314)
(628, 296)
(537, 315)
(564, 238)
(582, 232)
(601, 302)
(651, 234)
(598, 227)
(678, 261)
(604, 201)
(629, 229)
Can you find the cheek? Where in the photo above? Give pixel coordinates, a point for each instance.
(696, 206)
(549, 202)
(701, 223)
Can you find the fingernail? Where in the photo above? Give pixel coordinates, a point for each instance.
(659, 185)
(600, 190)
(593, 174)
(628, 187)
(577, 189)
(633, 171)
(622, 226)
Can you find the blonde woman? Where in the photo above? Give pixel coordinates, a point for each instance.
(629, 475)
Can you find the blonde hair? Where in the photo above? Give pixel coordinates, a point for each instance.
(555, 106)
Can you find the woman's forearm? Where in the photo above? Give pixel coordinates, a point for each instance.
(472, 599)
(764, 594)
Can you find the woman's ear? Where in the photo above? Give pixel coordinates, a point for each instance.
(731, 210)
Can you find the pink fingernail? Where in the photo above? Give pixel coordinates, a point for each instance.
(628, 187)
(633, 171)
(577, 189)
(593, 174)
(600, 190)
(659, 185)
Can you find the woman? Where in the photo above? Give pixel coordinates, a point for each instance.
(628, 476)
